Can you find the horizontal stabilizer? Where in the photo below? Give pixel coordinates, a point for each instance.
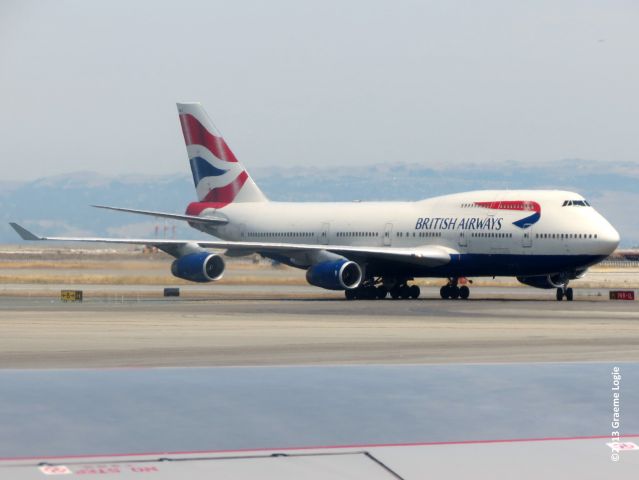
(174, 216)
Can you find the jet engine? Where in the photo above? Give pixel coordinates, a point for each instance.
(335, 275)
(199, 267)
(556, 280)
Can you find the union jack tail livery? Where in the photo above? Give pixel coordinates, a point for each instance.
(220, 179)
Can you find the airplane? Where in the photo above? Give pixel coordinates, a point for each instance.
(544, 238)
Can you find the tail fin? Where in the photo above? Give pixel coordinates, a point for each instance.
(218, 176)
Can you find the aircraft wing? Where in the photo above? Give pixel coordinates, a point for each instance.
(173, 216)
(575, 457)
(428, 255)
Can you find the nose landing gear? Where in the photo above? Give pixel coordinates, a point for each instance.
(452, 291)
(564, 292)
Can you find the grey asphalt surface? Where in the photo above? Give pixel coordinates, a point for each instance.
(299, 328)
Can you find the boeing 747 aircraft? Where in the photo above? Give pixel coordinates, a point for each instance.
(545, 238)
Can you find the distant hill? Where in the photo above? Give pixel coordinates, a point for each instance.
(59, 205)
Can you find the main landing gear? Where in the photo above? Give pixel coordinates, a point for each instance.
(564, 292)
(376, 289)
(452, 291)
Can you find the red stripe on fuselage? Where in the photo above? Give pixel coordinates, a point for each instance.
(196, 134)
(517, 205)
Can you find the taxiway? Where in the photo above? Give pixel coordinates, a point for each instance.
(265, 328)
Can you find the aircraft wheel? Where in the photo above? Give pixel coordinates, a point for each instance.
(394, 293)
(414, 291)
(363, 293)
(560, 294)
(569, 294)
(350, 294)
(464, 292)
(443, 292)
(382, 291)
(454, 293)
(404, 292)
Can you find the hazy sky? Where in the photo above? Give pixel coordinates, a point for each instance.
(93, 85)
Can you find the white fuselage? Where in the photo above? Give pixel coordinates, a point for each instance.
(453, 221)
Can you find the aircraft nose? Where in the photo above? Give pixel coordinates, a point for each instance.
(610, 239)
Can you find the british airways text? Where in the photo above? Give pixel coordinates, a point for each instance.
(452, 223)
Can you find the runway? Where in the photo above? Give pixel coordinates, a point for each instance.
(257, 328)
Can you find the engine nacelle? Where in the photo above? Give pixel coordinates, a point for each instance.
(335, 275)
(556, 280)
(199, 267)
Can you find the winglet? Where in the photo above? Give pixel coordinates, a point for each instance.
(23, 232)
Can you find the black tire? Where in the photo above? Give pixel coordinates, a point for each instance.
(382, 291)
(464, 292)
(349, 294)
(394, 293)
(404, 292)
(414, 291)
(443, 292)
(454, 293)
(569, 294)
(560, 294)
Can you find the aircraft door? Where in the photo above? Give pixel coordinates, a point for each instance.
(388, 231)
(463, 241)
(526, 239)
(323, 236)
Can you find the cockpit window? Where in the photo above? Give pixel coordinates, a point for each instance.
(575, 203)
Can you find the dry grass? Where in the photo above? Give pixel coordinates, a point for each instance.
(98, 279)
(118, 269)
(79, 265)
(109, 264)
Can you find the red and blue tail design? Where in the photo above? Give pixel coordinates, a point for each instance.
(517, 205)
(220, 179)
